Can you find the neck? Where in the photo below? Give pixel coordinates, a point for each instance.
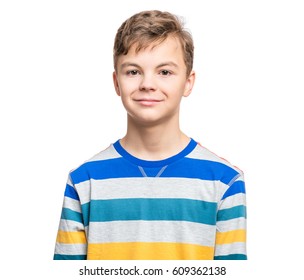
(155, 142)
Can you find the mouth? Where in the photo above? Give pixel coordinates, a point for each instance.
(148, 102)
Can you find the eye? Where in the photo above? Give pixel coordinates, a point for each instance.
(132, 72)
(165, 73)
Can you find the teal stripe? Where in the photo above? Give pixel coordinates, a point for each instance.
(231, 257)
(153, 210)
(85, 208)
(232, 213)
(68, 214)
(69, 257)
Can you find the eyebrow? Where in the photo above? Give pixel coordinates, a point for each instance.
(127, 64)
(167, 63)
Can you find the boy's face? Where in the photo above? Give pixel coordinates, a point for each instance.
(152, 82)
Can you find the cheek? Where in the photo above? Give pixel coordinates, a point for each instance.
(129, 86)
(174, 90)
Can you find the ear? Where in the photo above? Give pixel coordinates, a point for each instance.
(116, 84)
(189, 84)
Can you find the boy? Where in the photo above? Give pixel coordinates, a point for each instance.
(155, 193)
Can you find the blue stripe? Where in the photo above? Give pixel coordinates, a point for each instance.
(71, 192)
(68, 214)
(184, 168)
(156, 163)
(152, 210)
(235, 188)
(69, 257)
(105, 169)
(232, 213)
(231, 257)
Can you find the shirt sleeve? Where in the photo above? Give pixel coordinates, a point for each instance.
(231, 222)
(71, 243)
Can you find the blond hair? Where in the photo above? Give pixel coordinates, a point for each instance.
(149, 27)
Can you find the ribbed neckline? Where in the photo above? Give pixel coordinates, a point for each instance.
(154, 163)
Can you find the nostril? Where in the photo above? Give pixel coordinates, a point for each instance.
(147, 84)
(146, 87)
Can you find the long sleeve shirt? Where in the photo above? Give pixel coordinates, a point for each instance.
(191, 206)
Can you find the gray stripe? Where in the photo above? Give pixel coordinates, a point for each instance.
(68, 225)
(234, 200)
(233, 224)
(146, 187)
(108, 153)
(152, 231)
(231, 248)
(71, 249)
(202, 153)
(71, 204)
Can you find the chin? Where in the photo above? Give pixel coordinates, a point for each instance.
(146, 121)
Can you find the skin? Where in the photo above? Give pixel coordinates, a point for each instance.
(151, 84)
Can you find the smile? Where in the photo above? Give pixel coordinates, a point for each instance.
(148, 102)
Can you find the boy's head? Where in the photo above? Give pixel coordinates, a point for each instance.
(152, 27)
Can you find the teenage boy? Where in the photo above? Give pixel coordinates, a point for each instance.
(156, 193)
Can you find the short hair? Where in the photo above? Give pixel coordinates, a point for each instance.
(149, 27)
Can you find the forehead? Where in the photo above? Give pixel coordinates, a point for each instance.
(169, 49)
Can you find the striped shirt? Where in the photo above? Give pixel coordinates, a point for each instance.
(190, 206)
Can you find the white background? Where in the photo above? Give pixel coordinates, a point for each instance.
(58, 108)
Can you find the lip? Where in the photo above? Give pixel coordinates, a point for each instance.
(147, 102)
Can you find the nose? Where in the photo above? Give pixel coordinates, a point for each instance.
(147, 83)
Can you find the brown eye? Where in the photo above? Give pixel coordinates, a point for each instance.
(165, 72)
(132, 72)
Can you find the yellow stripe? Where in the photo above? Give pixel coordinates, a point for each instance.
(231, 236)
(71, 237)
(149, 251)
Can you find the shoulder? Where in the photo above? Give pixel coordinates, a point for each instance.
(219, 166)
(85, 170)
(201, 152)
(106, 154)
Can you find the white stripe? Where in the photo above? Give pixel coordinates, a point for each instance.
(234, 224)
(231, 248)
(68, 225)
(151, 231)
(150, 188)
(233, 200)
(108, 153)
(202, 153)
(69, 181)
(70, 249)
(72, 204)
